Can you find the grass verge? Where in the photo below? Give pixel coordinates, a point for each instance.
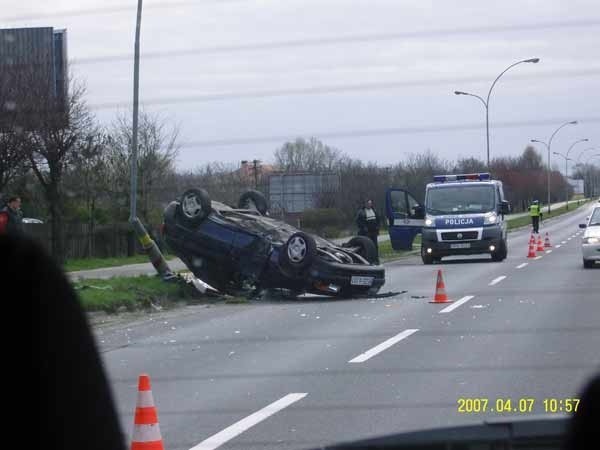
(130, 293)
(526, 220)
(73, 265)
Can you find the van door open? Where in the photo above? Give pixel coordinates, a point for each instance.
(405, 218)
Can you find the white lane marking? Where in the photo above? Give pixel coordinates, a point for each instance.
(563, 242)
(520, 266)
(456, 304)
(558, 246)
(383, 346)
(238, 428)
(548, 251)
(537, 257)
(497, 280)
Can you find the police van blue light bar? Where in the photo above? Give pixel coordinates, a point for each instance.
(462, 177)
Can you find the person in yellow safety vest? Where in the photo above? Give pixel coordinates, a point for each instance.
(535, 211)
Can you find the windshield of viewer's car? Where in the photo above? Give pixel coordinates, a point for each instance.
(460, 199)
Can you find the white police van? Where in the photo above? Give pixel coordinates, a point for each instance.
(462, 215)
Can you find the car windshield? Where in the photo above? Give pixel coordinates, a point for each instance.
(595, 218)
(460, 199)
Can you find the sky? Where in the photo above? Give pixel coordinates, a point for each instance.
(372, 78)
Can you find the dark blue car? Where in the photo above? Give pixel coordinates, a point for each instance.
(242, 248)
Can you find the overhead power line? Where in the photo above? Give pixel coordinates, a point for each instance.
(376, 132)
(335, 89)
(115, 9)
(336, 40)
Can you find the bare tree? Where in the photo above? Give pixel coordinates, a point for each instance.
(157, 152)
(53, 130)
(311, 156)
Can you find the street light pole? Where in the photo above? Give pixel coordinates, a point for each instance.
(583, 151)
(569, 151)
(134, 131)
(548, 145)
(486, 103)
(566, 176)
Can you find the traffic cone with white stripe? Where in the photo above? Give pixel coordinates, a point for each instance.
(531, 253)
(440, 290)
(146, 431)
(547, 241)
(540, 244)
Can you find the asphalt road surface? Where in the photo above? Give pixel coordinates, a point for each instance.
(300, 374)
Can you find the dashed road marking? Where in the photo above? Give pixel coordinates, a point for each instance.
(383, 346)
(548, 251)
(238, 428)
(520, 266)
(456, 304)
(537, 257)
(497, 280)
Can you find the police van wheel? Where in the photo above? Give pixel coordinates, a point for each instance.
(501, 253)
(427, 258)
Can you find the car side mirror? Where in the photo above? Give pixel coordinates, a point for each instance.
(504, 207)
(582, 225)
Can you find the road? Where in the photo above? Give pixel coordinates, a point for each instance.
(134, 270)
(527, 329)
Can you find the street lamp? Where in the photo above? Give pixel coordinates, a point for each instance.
(583, 151)
(569, 151)
(486, 103)
(134, 131)
(567, 159)
(548, 145)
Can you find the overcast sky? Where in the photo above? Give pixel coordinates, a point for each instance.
(373, 78)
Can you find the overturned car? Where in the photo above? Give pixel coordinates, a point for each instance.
(235, 249)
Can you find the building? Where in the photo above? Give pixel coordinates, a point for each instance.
(254, 172)
(33, 69)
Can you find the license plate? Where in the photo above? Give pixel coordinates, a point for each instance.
(361, 281)
(462, 245)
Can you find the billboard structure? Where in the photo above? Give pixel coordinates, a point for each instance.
(292, 192)
(33, 77)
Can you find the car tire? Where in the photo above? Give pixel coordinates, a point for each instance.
(366, 248)
(427, 258)
(298, 252)
(254, 200)
(501, 253)
(194, 207)
(588, 264)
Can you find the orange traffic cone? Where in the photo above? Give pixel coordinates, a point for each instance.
(146, 431)
(540, 244)
(440, 290)
(532, 239)
(547, 242)
(531, 253)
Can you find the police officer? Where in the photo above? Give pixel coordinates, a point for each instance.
(535, 211)
(367, 221)
(11, 220)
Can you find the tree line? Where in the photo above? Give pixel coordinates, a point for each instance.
(69, 168)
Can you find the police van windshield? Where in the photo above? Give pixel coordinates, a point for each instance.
(460, 199)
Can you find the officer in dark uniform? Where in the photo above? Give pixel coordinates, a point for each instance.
(11, 219)
(367, 221)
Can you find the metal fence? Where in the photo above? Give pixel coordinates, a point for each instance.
(107, 241)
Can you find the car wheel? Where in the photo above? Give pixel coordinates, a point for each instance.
(254, 200)
(426, 257)
(366, 248)
(298, 252)
(588, 264)
(194, 207)
(501, 253)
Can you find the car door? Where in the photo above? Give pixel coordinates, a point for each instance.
(405, 218)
